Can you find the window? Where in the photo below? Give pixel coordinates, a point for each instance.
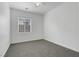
(24, 24)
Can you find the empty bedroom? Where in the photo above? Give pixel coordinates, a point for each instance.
(39, 29)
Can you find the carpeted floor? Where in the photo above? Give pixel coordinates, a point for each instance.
(39, 48)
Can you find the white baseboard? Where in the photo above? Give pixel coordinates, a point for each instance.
(63, 45)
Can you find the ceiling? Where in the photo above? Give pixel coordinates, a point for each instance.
(30, 7)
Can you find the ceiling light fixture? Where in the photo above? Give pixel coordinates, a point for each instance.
(37, 4)
(26, 8)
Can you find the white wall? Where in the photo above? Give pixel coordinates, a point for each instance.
(37, 27)
(61, 26)
(78, 21)
(4, 28)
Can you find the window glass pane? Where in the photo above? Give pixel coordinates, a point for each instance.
(27, 27)
(24, 24)
(21, 28)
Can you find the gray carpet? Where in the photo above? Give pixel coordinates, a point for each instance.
(39, 48)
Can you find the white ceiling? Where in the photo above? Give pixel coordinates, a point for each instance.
(45, 7)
